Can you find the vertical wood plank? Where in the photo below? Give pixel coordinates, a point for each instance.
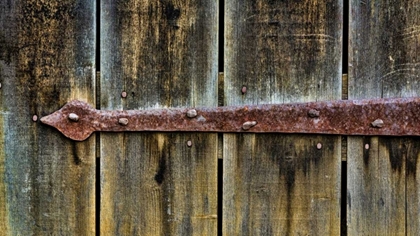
(162, 54)
(282, 51)
(47, 57)
(383, 188)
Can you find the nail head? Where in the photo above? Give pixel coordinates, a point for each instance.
(123, 121)
(243, 90)
(189, 143)
(378, 123)
(367, 146)
(192, 113)
(248, 125)
(124, 94)
(318, 146)
(313, 113)
(73, 117)
(34, 118)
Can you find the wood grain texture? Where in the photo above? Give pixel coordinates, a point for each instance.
(282, 51)
(162, 54)
(383, 187)
(46, 59)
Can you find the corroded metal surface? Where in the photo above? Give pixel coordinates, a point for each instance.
(396, 117)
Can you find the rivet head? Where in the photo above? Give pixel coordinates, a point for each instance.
(318, 146)
(243, 90)
(313, 113)
(123, 121)
(0, 85)
(367, 146)
(248, 125)
(73, 117)
(124, 94)
(189, 143)
(192, 113)
(34, 118)
(378, 123)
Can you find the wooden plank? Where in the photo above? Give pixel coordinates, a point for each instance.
(162, 54)
(282, 52)
(47, 58)
(383, 189)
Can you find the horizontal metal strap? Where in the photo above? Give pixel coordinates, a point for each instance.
(393, 117)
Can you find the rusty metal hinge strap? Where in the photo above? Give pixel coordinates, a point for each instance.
(396, 117)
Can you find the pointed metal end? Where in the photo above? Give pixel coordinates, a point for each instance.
(73, 120)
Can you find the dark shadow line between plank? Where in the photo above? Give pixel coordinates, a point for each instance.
(98, 106)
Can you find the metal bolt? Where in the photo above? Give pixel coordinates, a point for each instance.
(192, 113)
(124, 94)
(248, 125)
(318, 146)
(189, 143)
(34, 118)
(123, 121)
(378, 123)
(73, 117)
(243, 90)
(367, 146)
(313, 113)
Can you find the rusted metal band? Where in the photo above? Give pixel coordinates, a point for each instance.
(392, 117)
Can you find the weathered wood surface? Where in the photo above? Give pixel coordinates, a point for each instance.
(282, 51)
(162, 54)
(47, 58)
(383, 181)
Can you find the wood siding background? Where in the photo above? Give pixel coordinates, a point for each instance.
(162, 54)
(282, 52)
(166, 54)
(384, 61)
(47, 57)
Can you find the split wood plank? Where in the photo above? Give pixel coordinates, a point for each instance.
(280, 52)
(161, 54)
(47, 58)
(383, 187)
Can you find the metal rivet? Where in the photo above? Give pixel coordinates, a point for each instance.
(124, 94)
(249, 124)
(243, 90)
(34, 118)
(73, 117)
(0, 85)
(189, 143)
(192, 113)
(318, 146)
(123, 121)
(313, 113)
(367, 146)
(378, 123)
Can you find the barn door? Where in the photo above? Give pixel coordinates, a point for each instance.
(196, 53)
